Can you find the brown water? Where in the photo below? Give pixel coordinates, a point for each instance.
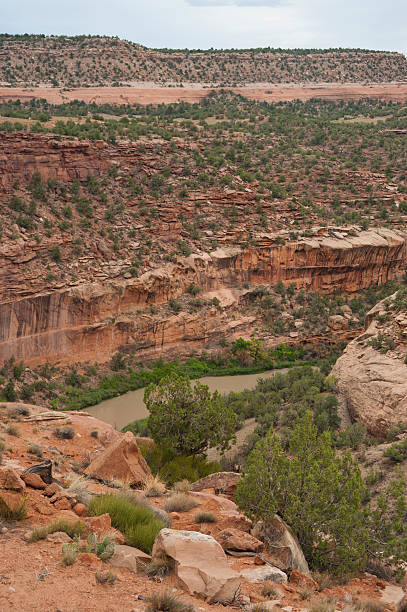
(119, 411)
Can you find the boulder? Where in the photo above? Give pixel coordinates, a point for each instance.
(302, 581)
(337, 322)
(374, 383)
(283, 548)
(63, 504)
(59, 537)
(52, 489)
(199, 563)
(80, 510)
(10, 480)
(99, 524)
(129, 557)
(222, 482)
(234, 539)
(265, 572)
(44, 470)
(33, 480)
(121, 460)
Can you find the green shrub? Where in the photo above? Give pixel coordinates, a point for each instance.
(187, 468)
(137, 522)
(72, 528)
(397, 452)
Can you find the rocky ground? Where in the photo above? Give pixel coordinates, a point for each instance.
(33, 578)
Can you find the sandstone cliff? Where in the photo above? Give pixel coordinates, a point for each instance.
(372, 372)
(91, 321)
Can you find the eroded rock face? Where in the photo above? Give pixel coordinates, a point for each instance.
(121, 460)
(372, 373)
(199, 563)
(91, 321)
(282, 547)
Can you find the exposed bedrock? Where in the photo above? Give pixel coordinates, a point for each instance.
(91, 321)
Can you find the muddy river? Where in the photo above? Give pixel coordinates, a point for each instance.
(121, 410)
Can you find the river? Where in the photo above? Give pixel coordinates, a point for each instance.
(121, 410)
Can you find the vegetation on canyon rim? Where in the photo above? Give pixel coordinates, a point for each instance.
(101, 60)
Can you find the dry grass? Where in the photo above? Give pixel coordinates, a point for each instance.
(72, 528)
(105, 577)
(180, 502)
(154, 487)
(326, 604)
(269, 591)
(12, 430)
(166, 602)
(183, 486)
(17, 514)
(323, 579)
(158, 567)
(205, 517)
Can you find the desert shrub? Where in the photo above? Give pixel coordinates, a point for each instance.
(12, 430)
(205, 517)
(72, 528)
(70, 553)
(36, 450)
(187, 468)
(397, 452)
(64, 433)
(107, 577)
(158, 567)
(180, 502)
(268, 590)
(154, 487)
(166, 602)
(17, 514)
(188, 419)
(103, 549)
(183, 486)
(137, 522)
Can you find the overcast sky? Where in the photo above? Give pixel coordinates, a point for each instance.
(374, 24)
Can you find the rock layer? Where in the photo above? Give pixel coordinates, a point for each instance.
(91, 321)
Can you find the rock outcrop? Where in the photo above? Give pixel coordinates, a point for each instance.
(122, 460)
(221, 482)
(372, 372)
(199, 563)
(92, 321)
(283, 548)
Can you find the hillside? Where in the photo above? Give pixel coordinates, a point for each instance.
(34, 60)
(166, 230)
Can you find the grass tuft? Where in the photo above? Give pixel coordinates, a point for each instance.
(205, 517)
(137, 522)
(180, 502)
(72, 528)
(166, 602)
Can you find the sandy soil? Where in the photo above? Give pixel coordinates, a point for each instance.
(142, 94)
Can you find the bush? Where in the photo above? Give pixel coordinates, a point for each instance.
(205, 517)
(19, 513)
(180, 502)
(105, 577)
(72, 528)
(316, 492)
(188, 419)
(397, 452)
(64, 433)
(187, 468)
(166, 602)
(137, 522)
(70, 553)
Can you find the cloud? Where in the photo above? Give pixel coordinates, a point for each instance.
(217, 3)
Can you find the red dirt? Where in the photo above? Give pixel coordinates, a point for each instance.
(165, 95)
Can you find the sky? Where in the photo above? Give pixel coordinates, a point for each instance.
(373, 24)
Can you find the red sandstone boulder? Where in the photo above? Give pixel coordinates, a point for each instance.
(221, 482)
(123, 461)
(99, 524)
(10, 480)
(300, 580)
(233, 539)
(33, 480)
(80, 510)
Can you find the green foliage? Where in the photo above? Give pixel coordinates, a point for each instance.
(70, 552)
(316, 492)
(137, 522)
(72, 528)
(397, 452)
(103, 549)
(188, 419)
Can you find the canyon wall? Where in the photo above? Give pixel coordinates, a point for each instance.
(91, 321)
